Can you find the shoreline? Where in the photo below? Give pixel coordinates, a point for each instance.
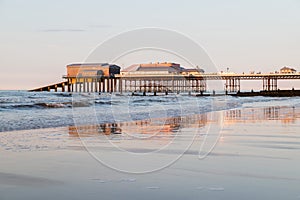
(168, 124)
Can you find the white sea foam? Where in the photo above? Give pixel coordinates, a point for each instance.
(153, 187)
(216, 189)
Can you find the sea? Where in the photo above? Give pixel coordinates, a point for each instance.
(23, 110)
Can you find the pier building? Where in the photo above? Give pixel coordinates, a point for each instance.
(91, 77)
(287, 70)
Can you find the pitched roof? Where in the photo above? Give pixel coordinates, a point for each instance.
(88, 64)
(153, 67)
(131, 68)
(287, 68)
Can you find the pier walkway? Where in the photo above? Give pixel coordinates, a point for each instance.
(54, 87)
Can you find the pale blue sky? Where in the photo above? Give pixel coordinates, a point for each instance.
(39, 37)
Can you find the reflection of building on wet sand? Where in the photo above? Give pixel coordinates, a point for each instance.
(159, 126)
(284, 114)
(87, 130)
(149, 126)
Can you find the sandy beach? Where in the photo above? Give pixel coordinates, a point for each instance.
(256, 157)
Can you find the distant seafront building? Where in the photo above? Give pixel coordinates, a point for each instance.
(161, 77)
(287, 70)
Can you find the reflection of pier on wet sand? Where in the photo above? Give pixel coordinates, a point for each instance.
(284, 114)
(161, 129)
(143, 127)
(168, 126)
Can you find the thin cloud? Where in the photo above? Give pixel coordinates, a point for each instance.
(101, 26)
(63, 30)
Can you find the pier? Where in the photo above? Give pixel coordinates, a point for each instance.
(164, 84)
(164, 78)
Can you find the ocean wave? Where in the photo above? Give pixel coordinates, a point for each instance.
(51, 105)
(35, 97)
(63, 94)
(107, 102)
(81, 104)
(36, 105)
(149, 100)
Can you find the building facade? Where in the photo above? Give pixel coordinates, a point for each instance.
(287, 70)
(92, 69)
(86, 77)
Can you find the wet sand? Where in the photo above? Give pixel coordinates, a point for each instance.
(250, 153)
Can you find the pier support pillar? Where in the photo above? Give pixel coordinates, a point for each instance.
(270, 84)
(103, 84)
(232, 84)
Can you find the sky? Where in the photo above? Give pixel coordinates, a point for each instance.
(40, 37)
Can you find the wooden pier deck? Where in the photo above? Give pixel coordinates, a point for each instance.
(54, 87)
